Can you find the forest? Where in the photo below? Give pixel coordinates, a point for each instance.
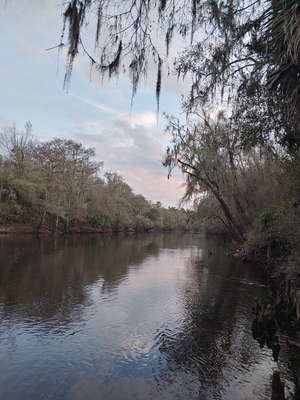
(56, 186)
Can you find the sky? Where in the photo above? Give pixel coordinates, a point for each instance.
(92, 111)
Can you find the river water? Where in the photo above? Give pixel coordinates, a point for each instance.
(130, 317)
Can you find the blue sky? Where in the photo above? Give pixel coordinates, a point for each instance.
(94, 112)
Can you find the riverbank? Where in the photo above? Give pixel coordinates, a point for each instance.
(30, 229)
(22, 228)
(52, 230)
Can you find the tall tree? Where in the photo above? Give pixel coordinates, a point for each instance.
(68, 169)
(217, 165)
(206, 153)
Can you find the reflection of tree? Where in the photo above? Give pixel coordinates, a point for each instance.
(41, 279)
(213, 336)
(45, 279)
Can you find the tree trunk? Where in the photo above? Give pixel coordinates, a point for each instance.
(231, 222)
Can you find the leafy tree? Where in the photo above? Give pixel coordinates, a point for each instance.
(174, 219)
(140, 213)
(155, 216)
(234, 182)
(283, 34)
(67, 168)
(116, 202)
(206, 155)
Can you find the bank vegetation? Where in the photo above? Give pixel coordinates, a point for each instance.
(56, 186)
(242, 169)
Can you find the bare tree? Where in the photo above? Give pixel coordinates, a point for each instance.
(18, 144)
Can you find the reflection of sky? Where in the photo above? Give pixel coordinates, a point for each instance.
(147, 299)
(139, 340)
(97, 114)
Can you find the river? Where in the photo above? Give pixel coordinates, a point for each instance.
(151, 316)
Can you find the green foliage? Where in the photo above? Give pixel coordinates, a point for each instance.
(153, 214)
(55, 185)
(97, 220)
(265, 218)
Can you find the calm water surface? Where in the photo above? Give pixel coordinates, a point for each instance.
(130, 317)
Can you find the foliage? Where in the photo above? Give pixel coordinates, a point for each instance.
(207, 153)
(265, 218)
(127, 35)
(228, 41)
(56, 186)
(232, 182)
(283, 31)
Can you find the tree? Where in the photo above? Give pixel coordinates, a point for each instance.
(205, 153)
(227, 38)
(283, 34)
(140, 213)
(20, 181)
(18, 145)
(68, 169)
(240, 181)
(126, 33)
(116, 202)
(55, 186)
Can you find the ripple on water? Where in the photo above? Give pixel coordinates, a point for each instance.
(166, 324)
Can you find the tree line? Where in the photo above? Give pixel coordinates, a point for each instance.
(57, 186)
(239, 145)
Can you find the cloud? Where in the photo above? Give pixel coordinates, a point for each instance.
(155, 187)
(96, 105)
(146, 118)
(120, 145)
(142, 137)
(95, 111)
(136, 153)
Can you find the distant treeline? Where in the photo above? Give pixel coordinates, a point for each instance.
(56, 186)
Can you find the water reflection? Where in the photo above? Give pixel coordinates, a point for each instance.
(123, 317)
(213, 339)
(42, 277)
